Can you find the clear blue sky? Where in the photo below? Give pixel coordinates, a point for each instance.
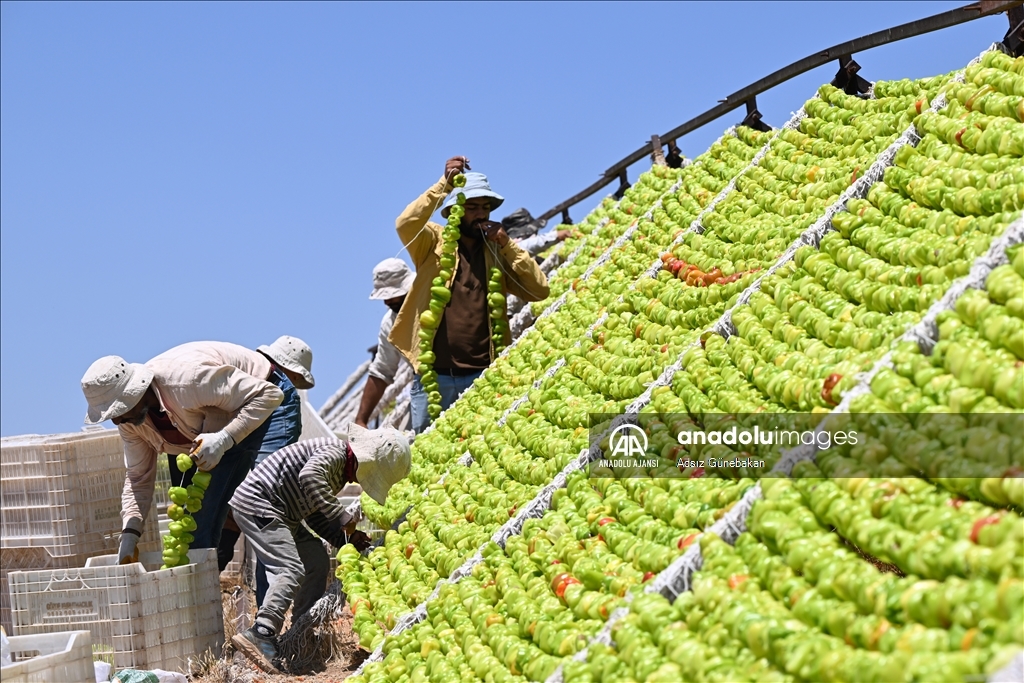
(177, 172)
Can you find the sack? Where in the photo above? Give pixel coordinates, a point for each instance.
(154, 676)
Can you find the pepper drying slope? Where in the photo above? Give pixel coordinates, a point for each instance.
(795, 339)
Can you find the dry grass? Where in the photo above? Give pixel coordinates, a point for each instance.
(335, 647)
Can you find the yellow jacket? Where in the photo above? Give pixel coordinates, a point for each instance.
(423, 240)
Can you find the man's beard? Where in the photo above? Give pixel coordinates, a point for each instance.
(396, 306)
(471, 229)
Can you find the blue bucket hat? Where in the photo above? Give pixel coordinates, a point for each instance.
(476, 186)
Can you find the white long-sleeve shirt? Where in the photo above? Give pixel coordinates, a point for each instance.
(385, 363)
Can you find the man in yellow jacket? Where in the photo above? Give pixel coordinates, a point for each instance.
(462, 344)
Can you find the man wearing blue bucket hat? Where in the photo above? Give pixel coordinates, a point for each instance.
(463, 345)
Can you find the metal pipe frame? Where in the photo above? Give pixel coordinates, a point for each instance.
(937, 22)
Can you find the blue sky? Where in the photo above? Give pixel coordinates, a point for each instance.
(232, 171)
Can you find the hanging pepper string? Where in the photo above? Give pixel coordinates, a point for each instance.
(440, 297)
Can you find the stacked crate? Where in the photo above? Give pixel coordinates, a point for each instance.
(50, 658)
(140, 616)
(60, 503)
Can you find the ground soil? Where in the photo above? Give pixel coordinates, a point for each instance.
(233, 667)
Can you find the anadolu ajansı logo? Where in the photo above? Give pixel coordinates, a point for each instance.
(628, 441)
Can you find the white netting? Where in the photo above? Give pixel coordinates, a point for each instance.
(675, 579)
(1011, 673)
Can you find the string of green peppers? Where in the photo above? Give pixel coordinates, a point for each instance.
(440, 296)
(185, 501)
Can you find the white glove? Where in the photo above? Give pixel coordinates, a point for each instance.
(210, 448)
(128, 552)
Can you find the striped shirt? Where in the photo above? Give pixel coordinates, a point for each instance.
(297, 481)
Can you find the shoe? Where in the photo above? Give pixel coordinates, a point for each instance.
(259, 649)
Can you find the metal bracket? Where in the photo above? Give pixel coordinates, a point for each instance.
(847, 79)
(565, 217)
(623, 185)
(657, 154)
(1013, 41)
(753, 117)
(674, 159)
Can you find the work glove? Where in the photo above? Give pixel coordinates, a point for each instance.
(129, 551)
(209, 448)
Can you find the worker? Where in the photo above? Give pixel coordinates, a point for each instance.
(295, 359)
(300, 483)
(462, 344)
(219, 402)
(391, 282)
(525, 229)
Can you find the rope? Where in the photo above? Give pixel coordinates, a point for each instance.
(312, 640)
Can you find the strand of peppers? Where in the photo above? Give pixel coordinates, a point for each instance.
(440, 296)
(185, 501)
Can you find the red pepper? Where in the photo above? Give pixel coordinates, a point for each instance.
(981, 524)
(605, 520)
(856, 172)
(560, 589)
(711, 276)
(826, 389)
(697, 473)
(684, 543)
(960, 135)
(737, 580)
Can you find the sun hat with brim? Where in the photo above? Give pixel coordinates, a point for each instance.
(476, 186)
(521, 224)
(391, 279)
(113, 386)
(384, 459)
(292, 354)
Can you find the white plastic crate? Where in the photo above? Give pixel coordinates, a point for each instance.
(313, 426)
(60, 503)
(19, 559)
(50, 658)
(145, 617)
(62, 492)
(233, 571)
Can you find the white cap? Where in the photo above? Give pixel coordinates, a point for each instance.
(292, 354)
(391, 279)
(113, 386)
(384, 459)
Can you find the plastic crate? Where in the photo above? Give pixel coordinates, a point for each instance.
(313, 426)
(20, 559)
(144, 617)
(50, 658)
(62, 492)
(233, 571)
(60, 503)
